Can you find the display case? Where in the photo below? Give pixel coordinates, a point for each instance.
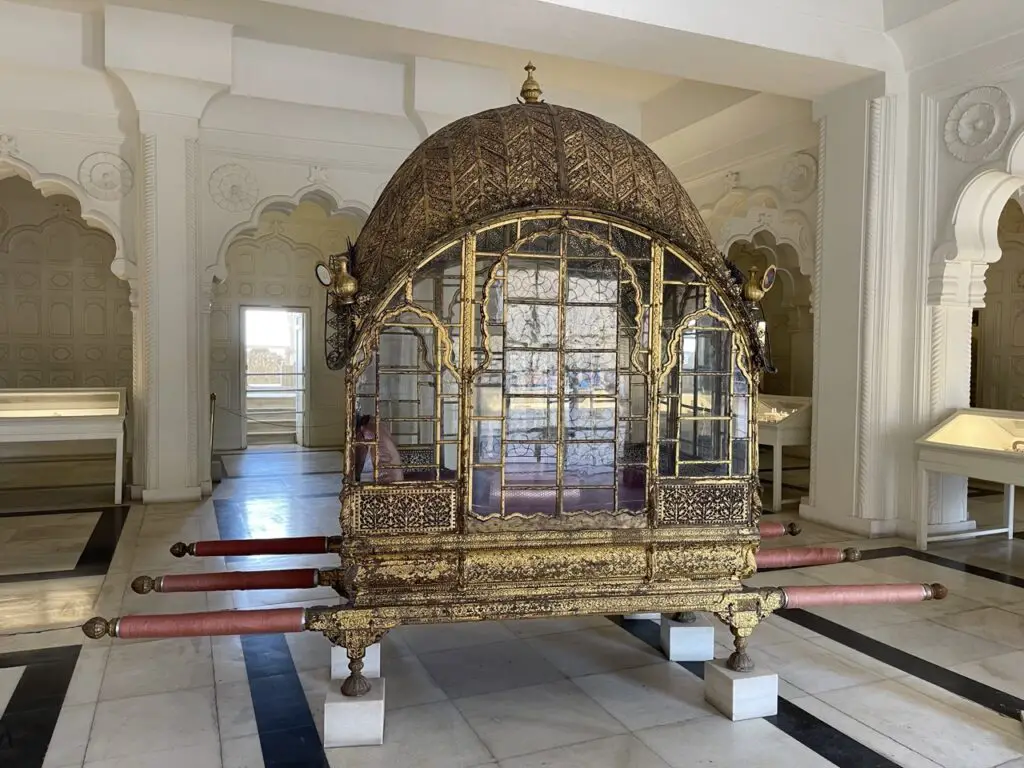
(59, 415)
(983, 444)
(782, 420)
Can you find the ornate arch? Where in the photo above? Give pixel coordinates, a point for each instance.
(50, 184)
(332, 203)
(743, 213)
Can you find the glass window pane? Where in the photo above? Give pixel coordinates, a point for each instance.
(530, 501)
(496, 239)
(531, 325)
(486, 442)
(591, 328)
(633, 488)
(741, 417)
(532, 278)
(704, 440)
(678, 270)
(704, 470)
(530, 464)
(704, 395)
(588, 499)
(531, 372)
(589, 464)
(632, 442)
(590, 373)
(486, 491)
(740, 457)
(487, 401)
(589, 418)
(531, 418)
(593, 282)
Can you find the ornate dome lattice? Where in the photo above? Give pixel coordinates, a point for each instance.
(523, 156)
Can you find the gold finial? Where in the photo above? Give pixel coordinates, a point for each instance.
(752, 288)
(530, 92)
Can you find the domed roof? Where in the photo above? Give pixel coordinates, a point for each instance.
(523, 156)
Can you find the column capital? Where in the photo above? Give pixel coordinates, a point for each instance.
(168, 104)
(955, 282)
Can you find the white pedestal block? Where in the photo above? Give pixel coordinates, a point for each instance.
(688, 642)
(354, 721)
(740, 695)
(643, 616)
(339, 662)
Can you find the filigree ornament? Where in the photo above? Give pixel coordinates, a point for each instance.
(234, 188)
(799, 177)
(106, 176)
(978, 123)
(8, 145)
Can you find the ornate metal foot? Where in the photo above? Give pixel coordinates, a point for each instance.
(740, 660)
(355, 684)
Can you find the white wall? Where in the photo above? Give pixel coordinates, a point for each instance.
(65, 320)
(274, 267)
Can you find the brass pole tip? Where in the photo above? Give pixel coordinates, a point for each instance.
(143, 585)
(98, 627)
(852, 554)
(793, 529)
(179, 549)
(939, 591)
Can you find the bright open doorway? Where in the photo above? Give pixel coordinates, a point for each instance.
(274, 375)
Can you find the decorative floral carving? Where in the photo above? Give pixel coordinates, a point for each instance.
(799, 177)
(317, 174)
(8, 145)
(105, 176)
(234, 188)
(977, 124)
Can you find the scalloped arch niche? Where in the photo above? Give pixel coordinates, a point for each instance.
(273, 266)
(65, 319)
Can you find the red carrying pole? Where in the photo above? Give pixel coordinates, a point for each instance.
(294, 578)
(264, 621)
(796, 557)
(772, 530)
(860, 594)
(302, 545)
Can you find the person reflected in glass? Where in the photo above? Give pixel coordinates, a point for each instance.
(385, 461)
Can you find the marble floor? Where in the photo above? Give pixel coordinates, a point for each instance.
(933, 684)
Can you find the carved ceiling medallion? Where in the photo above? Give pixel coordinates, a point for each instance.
(105, 176)
(799, 177)
(978, 123)
(234, 188)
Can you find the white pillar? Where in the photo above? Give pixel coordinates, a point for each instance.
(857, 291)
(169, 313)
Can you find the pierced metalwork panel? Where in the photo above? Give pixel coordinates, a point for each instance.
(704, 503)
(403, 508)
(417, 457)
(531, 565)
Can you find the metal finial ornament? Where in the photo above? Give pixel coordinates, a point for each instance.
(752, 290)
(530, 92)
(98, 627)
(143, 585)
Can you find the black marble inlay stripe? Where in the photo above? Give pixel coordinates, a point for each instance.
(965, 687)
(27, 725)
(288, 734)
(99, 549)
(814, 733)
(984, 695)
(975, 570)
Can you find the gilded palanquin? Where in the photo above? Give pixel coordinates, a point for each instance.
(569, 369)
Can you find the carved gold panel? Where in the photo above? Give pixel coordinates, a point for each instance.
(538, 564)
(711, 502)
(386, 509)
